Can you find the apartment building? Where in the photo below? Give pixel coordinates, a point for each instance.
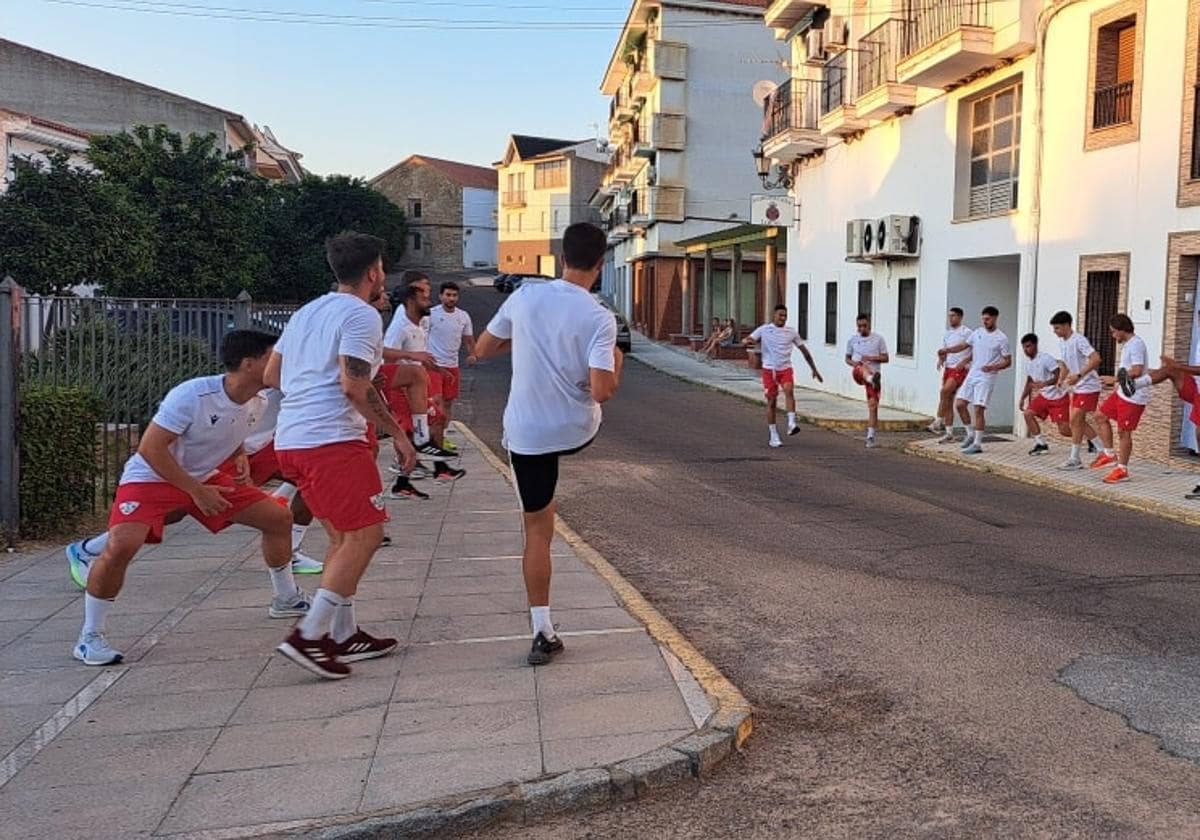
(1027, 154)
(544, 187)
(25, 137)
(682, 126)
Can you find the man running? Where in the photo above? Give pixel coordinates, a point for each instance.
(776, 341)
(1081, 361)
(990, 355)
(1043, 397)
(565, 363)
(448, 329)
(324, 363)
(1122, 407)
(199, 425)
(866, 351)
(954, 368)
(1182, 376)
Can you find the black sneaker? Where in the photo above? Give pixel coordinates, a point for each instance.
(1128, 388)
(1195, 494)
(1091, 448)
(386, 541)
(441, 472)
(362, 645)
(318, 656)
(1039, 449)
(403, 489)
(543, 649)
(435, 453)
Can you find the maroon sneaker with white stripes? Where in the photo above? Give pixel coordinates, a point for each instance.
(362, 645)
(316, 655)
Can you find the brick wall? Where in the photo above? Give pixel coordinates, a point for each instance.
(1189, 189)
(440, 225)
(520, 256)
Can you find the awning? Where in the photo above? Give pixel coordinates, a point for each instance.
(750, 237)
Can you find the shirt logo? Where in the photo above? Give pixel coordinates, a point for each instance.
(212, 419)
(127, 508)
(377, 501)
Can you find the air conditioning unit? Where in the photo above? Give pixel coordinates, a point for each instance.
(837, 34)
(868, 239)
(857, 231)
(814, 42)
(898, 237)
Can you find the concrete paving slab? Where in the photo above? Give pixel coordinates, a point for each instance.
(187, 677)
(619, 676)
(405, 779)
(463, 688)
(613, 714)
(20, 719)
(413, 728)
(313, 700)
(149, 757)
(457, 627)
(36, 609)
(117, 809)
(155, 713)
(571, 753)
(10, 630)
(349, 735)
(56, 685)
(450, 656)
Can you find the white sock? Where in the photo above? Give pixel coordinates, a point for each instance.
(344, 624)
(541, 621)
(1074, 451)
(285, 491)
(420, 429)
(95, 545)
(282, 580)
(791, 418)
(1108, 450)
(298, 532)
(95, 613)
(1096, 443)
(1142, 381)
(319, 618)
(1039, 440)
(978, 439)
(774, 430)
(870, 432)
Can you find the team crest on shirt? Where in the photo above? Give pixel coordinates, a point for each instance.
(212, 419)
(377, 501)
(127, 508)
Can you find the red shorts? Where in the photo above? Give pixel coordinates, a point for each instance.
(397, 400)
(149, 503)
(1058, 410)
(1189, 393)
(866, 378)
(773, 380)
(451, 383)
(957, 374)
(1087, 402)
(1127, 415)
(264, 466)
(339, 481)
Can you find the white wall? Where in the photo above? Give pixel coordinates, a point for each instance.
(479, 227)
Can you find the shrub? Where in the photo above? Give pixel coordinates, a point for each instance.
(58, 457)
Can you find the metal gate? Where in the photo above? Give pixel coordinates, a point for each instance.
(1102, 301)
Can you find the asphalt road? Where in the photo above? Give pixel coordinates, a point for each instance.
(931, 652)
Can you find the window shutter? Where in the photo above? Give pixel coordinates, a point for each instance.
(1126, 50)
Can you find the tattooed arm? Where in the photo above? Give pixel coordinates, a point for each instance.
(358, 388)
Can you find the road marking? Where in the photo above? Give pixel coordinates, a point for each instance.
(525, 637)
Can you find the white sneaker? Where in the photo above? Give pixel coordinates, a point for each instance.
(973, 449)
(966, 444)
(94, 649)
(1071, 464)
(936, 426)
(774, 443)
(871, 444)
(302, 564)
(293, 606)
(947, 437)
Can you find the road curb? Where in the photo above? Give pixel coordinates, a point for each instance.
(1094, 495)
(692, 757)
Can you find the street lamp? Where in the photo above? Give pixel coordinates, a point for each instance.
(762, 163)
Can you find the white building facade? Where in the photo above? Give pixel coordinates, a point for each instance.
(479, 227)
(1027, 154)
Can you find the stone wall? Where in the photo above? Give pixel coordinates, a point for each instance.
(440, 224)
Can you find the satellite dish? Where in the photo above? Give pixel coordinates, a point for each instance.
(762, 90)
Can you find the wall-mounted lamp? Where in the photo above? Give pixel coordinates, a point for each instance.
(762, 163)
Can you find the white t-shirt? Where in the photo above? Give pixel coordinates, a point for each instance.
(446, 333)
(558, 332)
(210, 427)
(403, 334)
(777, 344)
(314, 411)
(1075, 352)
(866, 345)
(1041, 368)
(987, 348)
(264, 429)
(954, 337)
(1133, 353)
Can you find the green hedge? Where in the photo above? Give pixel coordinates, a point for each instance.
(58, 457)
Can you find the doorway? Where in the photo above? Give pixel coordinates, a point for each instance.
(974, 284)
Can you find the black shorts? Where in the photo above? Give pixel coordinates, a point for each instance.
(536, 477)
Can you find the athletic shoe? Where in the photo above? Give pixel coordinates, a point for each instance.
(793, 429)
(302, 564)
(362, 645)
(395, 467)
(403, 489)
(774, 443)
(1117, 476)
(419, 472)
(967, 441)
(1071, 464)
(318, 656)
(936, 426)
(1091, 448)
(94, 649)
(435, 453)
(290, 606)
(1104, 459)
(871, 444)
(1039, 449)
(447, 474)
(973, 449)
(449, 445)
(1195, 494)
(543, 649)
(79, 561)
(948, 437)
(386, 541)
(1125, 381)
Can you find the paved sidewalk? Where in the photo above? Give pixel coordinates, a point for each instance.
(1153, 488)
(816, 407)
(203, 732)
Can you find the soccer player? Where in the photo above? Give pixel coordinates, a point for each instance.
(954, 369)
(990, 355)
(1043, 396)
(565, 363)
(1125, 405)
(448, 329)
(1081, 361)
(1182, 376)
(865, 352)
(777, 340)
(324, 362)
(199, 425)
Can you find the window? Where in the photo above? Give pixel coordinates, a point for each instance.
(831, 296)
(414, 208)
(995, 152)
(416, 241)
(802, 310)
(906, 320)
(552, 174)
(555, 222)
(1102, 301)
(864, 298)
(1116, 55)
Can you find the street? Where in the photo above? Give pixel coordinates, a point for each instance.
(917, 641)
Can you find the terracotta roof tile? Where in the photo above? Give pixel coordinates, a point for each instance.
(463, 174)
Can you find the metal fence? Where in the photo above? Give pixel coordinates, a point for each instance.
(935, 19)
(127, 351)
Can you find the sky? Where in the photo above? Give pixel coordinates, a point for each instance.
(354, 99)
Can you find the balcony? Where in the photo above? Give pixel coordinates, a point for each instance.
(880, 95)
(660, 133)
(838, 115)
(624, 166)
(1113, 105)
(514, 198)
(946, 41)
(658, 204)
(661, 60)
(784, 15)
(790, 121)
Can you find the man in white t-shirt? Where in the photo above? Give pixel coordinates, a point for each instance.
(324, 363)
(776, 341)
(199, 425)
(866, 351)
(990, 355)
(565, 363)
(1081, 361)
(954, 368)
(449, 328)
(1043, 396)
(1122, 407)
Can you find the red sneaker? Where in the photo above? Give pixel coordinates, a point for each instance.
(1117, 476)
(318, 656)
(1103, 460)
(362, 645)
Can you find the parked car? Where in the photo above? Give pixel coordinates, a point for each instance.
(506, 283)
(624, 336)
